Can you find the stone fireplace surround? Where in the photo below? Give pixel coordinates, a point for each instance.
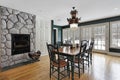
(15, 22)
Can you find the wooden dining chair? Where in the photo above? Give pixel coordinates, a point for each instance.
(90, 51)
(56, 64)
(79, 59)
(87, 56)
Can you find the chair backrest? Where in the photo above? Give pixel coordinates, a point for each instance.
(91, 46)
(83, 47)
(50, 48)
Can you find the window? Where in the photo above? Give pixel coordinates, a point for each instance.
(99, 37)
(86, 33)
(97, 32)
(65, 35)
(77, 35)
(115, 35)
(71, 35)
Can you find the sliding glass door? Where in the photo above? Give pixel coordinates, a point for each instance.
(86, 33)
(96, 32)
(99, 34)
(115, 35)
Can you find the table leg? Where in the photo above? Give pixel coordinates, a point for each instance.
(72, 68)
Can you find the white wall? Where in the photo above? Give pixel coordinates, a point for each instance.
(0, 42)
(43, 34)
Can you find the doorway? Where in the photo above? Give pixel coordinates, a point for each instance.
(54, 36)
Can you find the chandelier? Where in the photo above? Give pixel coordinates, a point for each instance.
(73, 21)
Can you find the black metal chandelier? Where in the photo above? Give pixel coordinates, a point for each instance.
(73, 21)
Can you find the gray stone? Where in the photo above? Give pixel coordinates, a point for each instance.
(33, 39)
(25, 60)
(4, 64)
(2, 45)
(14, 30)
(23, 15)
(8, 44)
(30, 26)
(10, 58)
(3, 52)
(28, 21)
(8, 51)
(4, 58)
(34, 19)
(30, 30)
(4, 31)
(4, 11)
(25, 56)
(3, 39)
(13, 18)
(24, 31)
(31, 35)
(16, 12)
(18, 61)
(17, 57)
(4, 17)
(10, 24)
(18, 25)
(30, 16)
(21, 19)
(9, 10)
(33, 30)
(3, 24)
(8, 37)
(11, 63)
(32, 46)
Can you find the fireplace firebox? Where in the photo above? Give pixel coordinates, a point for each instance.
(20, 43)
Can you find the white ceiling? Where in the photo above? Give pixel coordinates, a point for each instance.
(59, 10)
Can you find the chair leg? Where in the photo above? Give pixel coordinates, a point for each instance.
(88, 60)
(58, 73)
(79, 70)
(50, 71)
(68, 69)
(83, 66)
(91, 58)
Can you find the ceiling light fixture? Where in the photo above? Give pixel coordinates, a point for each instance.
(73, 21)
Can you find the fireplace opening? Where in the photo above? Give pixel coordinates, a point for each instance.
(20, 43)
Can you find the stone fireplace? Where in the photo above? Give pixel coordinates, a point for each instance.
(14, 22)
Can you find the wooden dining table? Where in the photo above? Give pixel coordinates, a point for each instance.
(70, 53)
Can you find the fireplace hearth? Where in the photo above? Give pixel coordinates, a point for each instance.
(20, 43)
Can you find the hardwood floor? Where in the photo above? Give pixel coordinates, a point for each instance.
(104, 67)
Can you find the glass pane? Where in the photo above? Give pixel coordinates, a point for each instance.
(70, 35)
(99, 37)
(86, 33)
(115, 35)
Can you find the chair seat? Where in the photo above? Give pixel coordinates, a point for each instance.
(63, 63)
(77, 60)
